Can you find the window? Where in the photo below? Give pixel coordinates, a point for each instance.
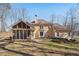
(21, 34)
(41, 34)
(41, 27)
(56, 34)
(25, 34)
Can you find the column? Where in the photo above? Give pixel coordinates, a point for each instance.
(19, 34)
(15, 34)
(27, 34)
(23, 34)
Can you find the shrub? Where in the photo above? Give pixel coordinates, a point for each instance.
(63, 40)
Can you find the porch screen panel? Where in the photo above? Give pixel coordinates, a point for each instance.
(21, 34)
(25, 34)
(28, 33)
(17, 34)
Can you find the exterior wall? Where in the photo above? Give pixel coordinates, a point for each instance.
(36, 31)
(62, 34)
(50, 32)
(47, 31)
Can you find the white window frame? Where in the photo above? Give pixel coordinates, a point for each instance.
(56, 34)
(43, 34)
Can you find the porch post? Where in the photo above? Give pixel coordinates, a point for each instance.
(23, 34)
(27, 34)
(16, 34)
(31, 34)
(12, 40)
(19, 34)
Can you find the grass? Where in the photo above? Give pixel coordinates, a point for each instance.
(62, 45)
(38, 48)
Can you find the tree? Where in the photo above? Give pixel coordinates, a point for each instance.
(52, 19)
(18, 14)
(72, 13)
(24, 14)
(4, 8)
(65, 19)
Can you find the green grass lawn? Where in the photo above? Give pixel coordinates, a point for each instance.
(41, 47)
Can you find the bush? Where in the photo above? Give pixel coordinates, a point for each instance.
(64, 40)
(57, 39)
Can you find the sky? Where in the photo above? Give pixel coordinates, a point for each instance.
(45, 10)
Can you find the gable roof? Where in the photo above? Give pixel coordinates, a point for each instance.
(56, 26)
(59, 27)
(40, 22)
(23, 22)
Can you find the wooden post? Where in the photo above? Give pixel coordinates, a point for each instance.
(19, 33)
(27, 34)
(16, 34)
(12, 39)
(23, 34)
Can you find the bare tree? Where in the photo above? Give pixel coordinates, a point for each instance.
(52, 19)
(18, 14)
(72, 16)
(4, 8)
(24, 15)
(65, 19)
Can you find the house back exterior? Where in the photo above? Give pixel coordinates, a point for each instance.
(39, 28)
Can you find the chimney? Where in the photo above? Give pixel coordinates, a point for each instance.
(36, 18)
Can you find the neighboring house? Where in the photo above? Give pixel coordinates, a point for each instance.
(76, 29)
(60, 30)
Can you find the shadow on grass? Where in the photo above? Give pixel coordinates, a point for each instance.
(57, 46)
(40, 49)
(46, 50)
(24, 54)
(32, 46)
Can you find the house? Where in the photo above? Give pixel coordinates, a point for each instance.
(23, 30)
(76, 29)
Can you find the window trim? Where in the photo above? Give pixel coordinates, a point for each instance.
(40, 34)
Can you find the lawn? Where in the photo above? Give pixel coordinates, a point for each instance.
(39, 47)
